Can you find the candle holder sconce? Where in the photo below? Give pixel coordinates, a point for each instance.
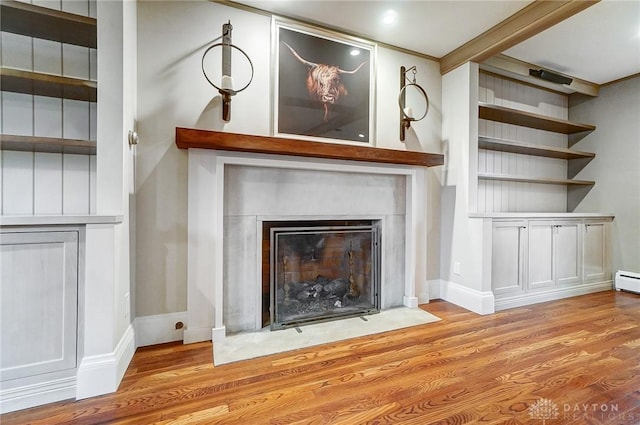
(406, 113)
(226, 82)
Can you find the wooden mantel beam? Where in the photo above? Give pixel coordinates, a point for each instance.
(529, 21)
(204, 139)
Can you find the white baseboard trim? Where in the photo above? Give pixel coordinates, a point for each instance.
(125, 350)
(471, 299)
(102, 373)
(37, 394)
(96, 375)
(551, 295)
(159, 328)
(192, 335)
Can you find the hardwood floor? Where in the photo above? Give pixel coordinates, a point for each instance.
(574, 361)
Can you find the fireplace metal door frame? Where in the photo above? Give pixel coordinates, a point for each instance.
(376, 253)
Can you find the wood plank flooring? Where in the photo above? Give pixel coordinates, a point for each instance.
(573, 361)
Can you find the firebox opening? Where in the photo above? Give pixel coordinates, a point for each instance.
(321, 270)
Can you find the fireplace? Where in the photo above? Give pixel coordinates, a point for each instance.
(231, 194)
(321, 270)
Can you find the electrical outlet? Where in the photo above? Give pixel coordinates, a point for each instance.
(456, 268)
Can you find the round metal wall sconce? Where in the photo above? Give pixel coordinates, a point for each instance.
(406, 113)
(226, 85)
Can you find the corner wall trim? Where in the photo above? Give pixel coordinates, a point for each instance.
(471, 299)
(159, 328)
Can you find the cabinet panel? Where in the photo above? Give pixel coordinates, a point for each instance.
(595, 251)
(38, 297)
(540, 255)
(567, 253)
(507, 259)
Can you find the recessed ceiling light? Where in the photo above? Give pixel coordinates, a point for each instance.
(389, 17)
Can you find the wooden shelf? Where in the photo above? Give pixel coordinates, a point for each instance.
(36, 83)
(539, 180)
(531, 120)
(12, 142)
(203, 139)
(513, 146)
(49, 24)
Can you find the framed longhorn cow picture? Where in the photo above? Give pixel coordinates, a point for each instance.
(324, 85)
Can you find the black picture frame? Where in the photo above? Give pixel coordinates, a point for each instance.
(324, 85)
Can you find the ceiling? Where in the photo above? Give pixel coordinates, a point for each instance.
(599, 44)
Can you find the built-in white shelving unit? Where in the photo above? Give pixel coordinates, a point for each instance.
(525, 163)
(42, 23)
(48, 100)
(522, 118)
(49, 107)
(540, 250)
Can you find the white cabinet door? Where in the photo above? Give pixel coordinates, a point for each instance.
(568, 253)
(508, 257)
(541, 254)
(38, 301)
(595, 251)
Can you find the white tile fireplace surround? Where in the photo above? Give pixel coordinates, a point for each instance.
(231, 194)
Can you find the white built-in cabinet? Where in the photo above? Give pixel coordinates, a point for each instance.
(536, 259)
(38, 303)
(48, 133)
(527, 163)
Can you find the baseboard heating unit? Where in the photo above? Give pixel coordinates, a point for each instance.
(628, 281)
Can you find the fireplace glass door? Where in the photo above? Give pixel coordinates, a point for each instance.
(323, 273)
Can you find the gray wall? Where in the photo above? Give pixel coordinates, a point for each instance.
(616, 167)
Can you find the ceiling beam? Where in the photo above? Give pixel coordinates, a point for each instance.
(529, 21)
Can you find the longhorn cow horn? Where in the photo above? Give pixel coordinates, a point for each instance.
(304, 61)
(342, 71)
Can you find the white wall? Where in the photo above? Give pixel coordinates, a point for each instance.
(616, 115)
(463, 279)
(458, 127)
(172, 91)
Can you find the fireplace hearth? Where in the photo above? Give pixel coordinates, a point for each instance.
(322, 271)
